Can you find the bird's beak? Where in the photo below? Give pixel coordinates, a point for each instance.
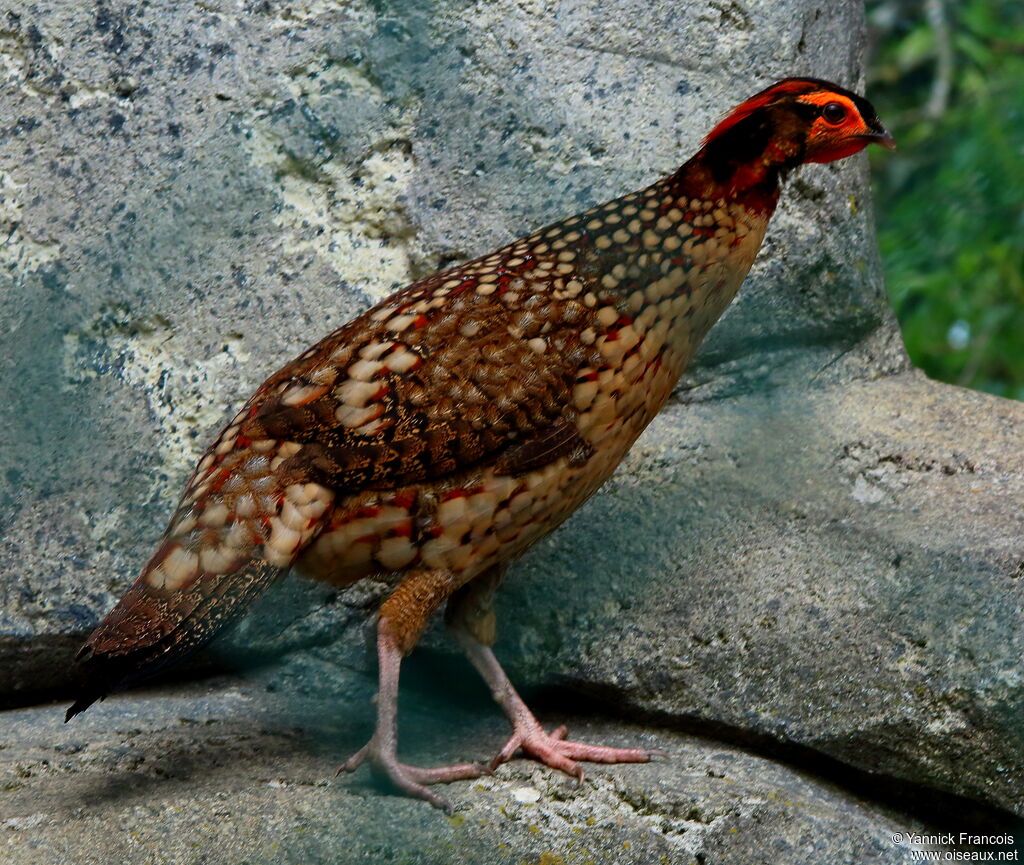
(882, 136)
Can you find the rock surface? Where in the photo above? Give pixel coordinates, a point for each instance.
(232, 774)
(812, 544)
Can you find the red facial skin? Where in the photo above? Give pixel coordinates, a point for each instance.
(842, 133)
(828, 141)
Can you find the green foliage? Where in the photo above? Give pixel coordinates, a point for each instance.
(948, 80)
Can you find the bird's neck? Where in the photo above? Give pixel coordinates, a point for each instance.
(675, 254)
(753, 183)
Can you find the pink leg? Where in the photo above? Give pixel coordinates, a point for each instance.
(552, 749)
(381, 750)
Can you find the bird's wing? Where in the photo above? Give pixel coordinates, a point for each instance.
(430, 382)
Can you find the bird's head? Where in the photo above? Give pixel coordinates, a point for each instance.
(794, 121)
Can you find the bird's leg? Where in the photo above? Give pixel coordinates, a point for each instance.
(470, 617)
(402, 618)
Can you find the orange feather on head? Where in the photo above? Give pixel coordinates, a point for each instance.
(787, 86)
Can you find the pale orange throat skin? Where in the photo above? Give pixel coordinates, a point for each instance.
(609, 306)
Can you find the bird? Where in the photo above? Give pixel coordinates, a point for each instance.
(434, 438)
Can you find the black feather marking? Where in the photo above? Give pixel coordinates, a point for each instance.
(556, 441)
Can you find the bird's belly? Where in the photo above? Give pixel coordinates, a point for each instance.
(469, 523)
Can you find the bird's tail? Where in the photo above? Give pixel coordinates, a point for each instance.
(149, 630)
(239, 526)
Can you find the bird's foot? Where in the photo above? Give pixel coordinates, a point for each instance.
(411, 779)
(554, 750)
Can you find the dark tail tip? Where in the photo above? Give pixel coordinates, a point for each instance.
(80, 705)
(94, 682)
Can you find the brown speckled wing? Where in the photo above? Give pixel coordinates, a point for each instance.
(430, 382)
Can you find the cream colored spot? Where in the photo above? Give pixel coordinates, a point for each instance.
(538, 344)
(356, 393)
(396, 553)
(651, 239)
(400, 323)
(245, 506)
(215, 515)
(371, 428)
(646, 317)
(603, 242)
(621, 236)
(520, 501)
(217, 560)
(292, 517)
(401, 360)
(302, 394)
(282, 538)
(364, 370)
(451, 511)
(583, 394)
(607, 316)
(373, 350)
(628, 337)
(353, 416)
(179, 567)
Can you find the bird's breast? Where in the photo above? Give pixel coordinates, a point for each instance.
(643, 288)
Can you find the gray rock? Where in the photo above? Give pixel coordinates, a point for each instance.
(811, 544)
(232, 774)
(837, 567)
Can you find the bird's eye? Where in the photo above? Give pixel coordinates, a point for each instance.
(834, 113)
